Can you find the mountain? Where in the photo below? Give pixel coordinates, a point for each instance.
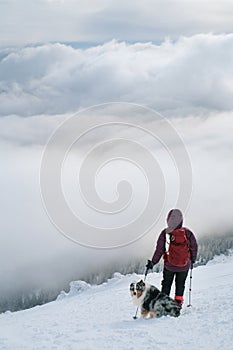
(100, 316)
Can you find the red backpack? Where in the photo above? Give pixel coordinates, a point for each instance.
(178, 252)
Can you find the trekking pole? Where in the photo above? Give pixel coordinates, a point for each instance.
(190, 287)
(135, 316)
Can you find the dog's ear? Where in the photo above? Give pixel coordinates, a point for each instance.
(141, 283)
(131, 287)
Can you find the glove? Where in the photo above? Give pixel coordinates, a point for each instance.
(149, 265)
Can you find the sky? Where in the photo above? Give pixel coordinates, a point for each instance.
(58, 58)
(102, 20)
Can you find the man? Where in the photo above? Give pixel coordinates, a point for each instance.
(178, 246)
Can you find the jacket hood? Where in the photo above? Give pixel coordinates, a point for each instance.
(174, 219)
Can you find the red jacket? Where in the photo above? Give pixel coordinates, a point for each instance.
(161, 249)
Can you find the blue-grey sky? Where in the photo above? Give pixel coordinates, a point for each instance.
(26, 21)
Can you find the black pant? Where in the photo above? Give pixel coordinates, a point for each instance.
(168, 277)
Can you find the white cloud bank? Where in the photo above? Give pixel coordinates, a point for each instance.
(188, 76)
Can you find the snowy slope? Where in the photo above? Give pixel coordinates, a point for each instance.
(100, 317)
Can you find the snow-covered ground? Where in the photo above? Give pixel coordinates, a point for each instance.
(100, 317)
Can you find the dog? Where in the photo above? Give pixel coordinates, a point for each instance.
(152, 302)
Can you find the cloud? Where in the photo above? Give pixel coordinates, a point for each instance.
(104, 20)
(41, 257)
(208, 140)
(186, 76)
(43, 21)
(155, 20)
(34, 255)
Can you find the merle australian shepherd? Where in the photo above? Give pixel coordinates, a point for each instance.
(152, 302)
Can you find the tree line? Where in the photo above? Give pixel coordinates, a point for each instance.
(209, 247)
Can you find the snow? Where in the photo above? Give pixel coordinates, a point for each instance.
(100, 317)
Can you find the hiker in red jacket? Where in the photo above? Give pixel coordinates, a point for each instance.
(178, 246)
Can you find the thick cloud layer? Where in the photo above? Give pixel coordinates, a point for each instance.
(35, 254)
(187, 76)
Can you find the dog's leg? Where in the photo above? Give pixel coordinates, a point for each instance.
(144, 313)
(153, 314)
